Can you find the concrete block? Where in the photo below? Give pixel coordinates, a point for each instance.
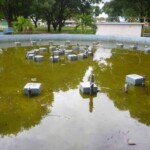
(67, 52)
(57, 52)
(32, 89)
(62, 46)
(90, 49)
(75, 48)
(134, 47)
(134, 79)
(36, 51)
(33, 43)
(95, 43)
(50, 42)
(38, 58)
(72, 57)
(82, 49)
(119, 45)
(43, 49)
(17, 43)
(54, 58)
(52, 48)
(85, 88)
(30, 56)
(1, 51)
(80, 56)
(90, 53)
(62, 51)
(147, 50)
(67, 42)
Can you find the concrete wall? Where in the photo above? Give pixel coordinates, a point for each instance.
(120, 29)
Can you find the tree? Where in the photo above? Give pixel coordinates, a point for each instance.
(128, 8)
(46, 6)
(36, 12)
(66, 9)
(85, 21)
(22, 24)
(62, 10)
(11, 9)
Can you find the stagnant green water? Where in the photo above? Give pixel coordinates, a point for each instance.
(63, 118)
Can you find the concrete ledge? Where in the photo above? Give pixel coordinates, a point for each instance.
(72, 37)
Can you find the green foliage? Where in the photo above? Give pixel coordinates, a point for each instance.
(128, 8)
(22, 24)
(85, 21)
(54, 12)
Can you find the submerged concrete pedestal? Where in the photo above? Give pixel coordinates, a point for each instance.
(86, 88)
(134, 47)
(80, 56)
(67, 52)
(1, 51)
(54, 58)
(33, 43)
(147, 50)
(135, 79)
(43, 49)
(18, 43)
(30, 56)
(72, 57)
(119, 45)
(32, 89)
(58, 52)
(38, 58)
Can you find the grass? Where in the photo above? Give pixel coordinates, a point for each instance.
(147, 29)
(65, 29)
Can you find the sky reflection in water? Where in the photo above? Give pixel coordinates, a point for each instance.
(77, 122)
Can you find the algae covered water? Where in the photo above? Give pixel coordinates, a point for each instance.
(63, 118)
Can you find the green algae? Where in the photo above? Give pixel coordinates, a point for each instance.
(18, 111)
(112, 80)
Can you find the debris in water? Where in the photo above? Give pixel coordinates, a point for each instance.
(130, 142)
(33, 79)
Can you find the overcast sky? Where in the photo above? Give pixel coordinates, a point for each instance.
(101, 5)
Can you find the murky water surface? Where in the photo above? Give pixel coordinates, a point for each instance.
(61, 118)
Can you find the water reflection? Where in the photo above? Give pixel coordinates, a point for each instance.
(91, 104)
(113, 78)
(19, 112)
(89, 98)
(71, 120)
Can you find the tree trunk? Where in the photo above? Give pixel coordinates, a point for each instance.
(48, 26)
(54, 26)
(9, 21)
(35, 24)
(60, 26)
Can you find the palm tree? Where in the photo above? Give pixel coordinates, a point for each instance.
(85, 21)
(22, 24)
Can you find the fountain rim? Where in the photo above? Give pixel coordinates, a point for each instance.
(74, 37)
